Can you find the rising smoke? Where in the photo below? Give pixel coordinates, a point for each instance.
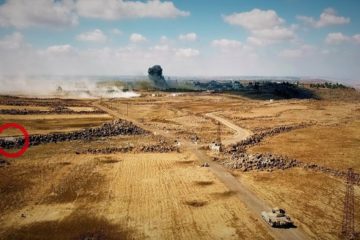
(80, 87)
(157, 78)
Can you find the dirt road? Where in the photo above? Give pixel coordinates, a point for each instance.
(240, 133)
(253, 203)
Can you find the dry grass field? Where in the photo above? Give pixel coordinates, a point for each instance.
(120, 196)
(53, 190)
(313, 199)
(335, 146)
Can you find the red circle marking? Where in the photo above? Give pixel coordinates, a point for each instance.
(26, 137)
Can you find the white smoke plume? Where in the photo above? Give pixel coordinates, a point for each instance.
(79, 87)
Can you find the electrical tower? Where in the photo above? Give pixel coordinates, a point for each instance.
(218, 137)
(348, 231)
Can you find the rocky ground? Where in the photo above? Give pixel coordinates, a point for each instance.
(161, 147)
(4, 163)
(51, 102)
(115, 128)
(55, 110)
(238, 158)
(258, 137)
(264, 162)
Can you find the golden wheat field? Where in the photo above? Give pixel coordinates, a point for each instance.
(70, 191)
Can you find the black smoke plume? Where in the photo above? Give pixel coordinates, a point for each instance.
(156, 76)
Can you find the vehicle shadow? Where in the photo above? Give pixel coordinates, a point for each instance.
(286, 227)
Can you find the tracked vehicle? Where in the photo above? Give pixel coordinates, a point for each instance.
(277, 218)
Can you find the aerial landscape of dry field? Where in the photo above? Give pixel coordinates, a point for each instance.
(147, 182)
(179, 120)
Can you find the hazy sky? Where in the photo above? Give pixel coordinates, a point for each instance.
(198, 37)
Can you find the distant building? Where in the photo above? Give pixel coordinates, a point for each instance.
(236, 85)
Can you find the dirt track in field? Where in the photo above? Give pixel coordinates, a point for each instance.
(240, 133)
(252, 202)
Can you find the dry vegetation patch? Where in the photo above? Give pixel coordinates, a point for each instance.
(332, 146)
(204, 183)
(314, 200)
(83, 181)
(224, 194)
(77, 226)
(195, 203)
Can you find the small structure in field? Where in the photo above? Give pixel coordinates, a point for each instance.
(215, 146)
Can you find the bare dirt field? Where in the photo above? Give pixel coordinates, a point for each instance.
(157, 196)
(77, 190)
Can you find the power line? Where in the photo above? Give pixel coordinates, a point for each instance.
(348, 228)
(218, 137)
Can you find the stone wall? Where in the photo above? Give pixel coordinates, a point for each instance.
(115, 128)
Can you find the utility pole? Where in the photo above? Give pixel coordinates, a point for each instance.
(348, 228)
(218, 138)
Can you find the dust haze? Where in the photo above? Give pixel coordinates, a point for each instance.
(68, 87)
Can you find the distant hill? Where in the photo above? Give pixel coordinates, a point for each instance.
(313, 81)
(342, 94)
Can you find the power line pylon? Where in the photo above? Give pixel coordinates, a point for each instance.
(218, 137)
(348, 228)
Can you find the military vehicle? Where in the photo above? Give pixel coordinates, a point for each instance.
(277, 218)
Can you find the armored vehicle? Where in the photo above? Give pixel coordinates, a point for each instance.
(277, 218)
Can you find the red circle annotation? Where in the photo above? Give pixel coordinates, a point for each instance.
(26, 140)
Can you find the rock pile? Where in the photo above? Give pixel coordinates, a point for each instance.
(49, 102)
(331, 171)
(269, 162)
(115, 128)
(356, 178)
(61, 108)
(258, 137)
(4, 163)
(107, 150)
(160, 148)
(262, 162)
(317, 168)
(56, 111)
